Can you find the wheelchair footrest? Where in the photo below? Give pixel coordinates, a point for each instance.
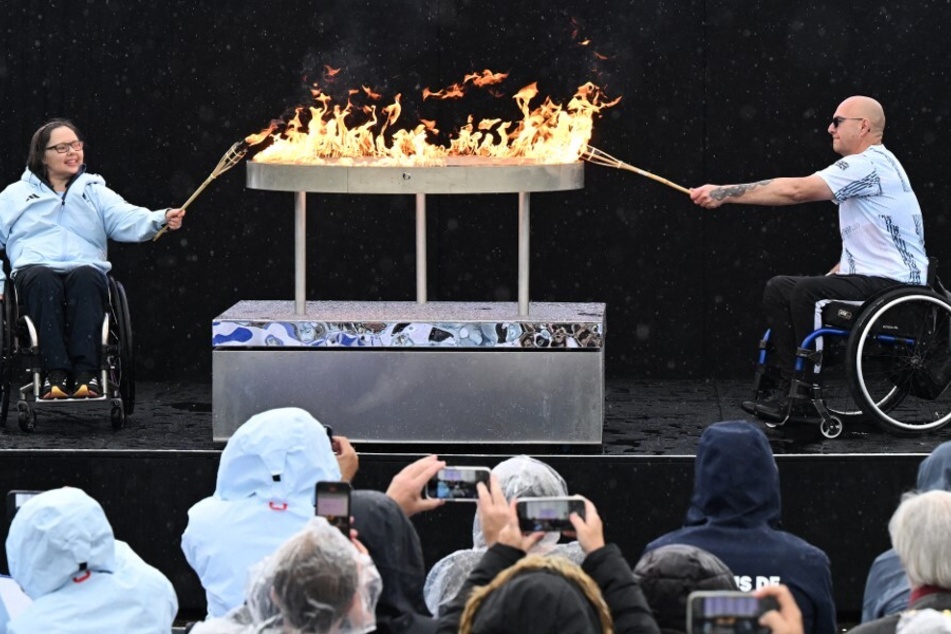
(58, 401)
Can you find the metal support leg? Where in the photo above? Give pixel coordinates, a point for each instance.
(523, 253)
(300, 253)
(420, 248)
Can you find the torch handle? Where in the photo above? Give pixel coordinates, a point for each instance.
(598, 157)
(184, 207)
(655, 177)
(200, 189)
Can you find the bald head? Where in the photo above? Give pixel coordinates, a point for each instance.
(860, 106)
(858, 123)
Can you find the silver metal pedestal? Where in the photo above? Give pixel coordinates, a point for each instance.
(414, 372)
(404, 372)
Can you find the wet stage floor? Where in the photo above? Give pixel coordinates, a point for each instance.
(641, 417)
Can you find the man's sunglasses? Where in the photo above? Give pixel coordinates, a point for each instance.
(836, 121)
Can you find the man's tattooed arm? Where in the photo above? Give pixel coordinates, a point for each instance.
(736, 191)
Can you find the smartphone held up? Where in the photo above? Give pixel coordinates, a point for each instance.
(727, 612)
(457, 484)
(548, 513)
(333, 504)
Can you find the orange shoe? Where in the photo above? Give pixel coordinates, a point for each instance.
(87, 386)
(54, 386)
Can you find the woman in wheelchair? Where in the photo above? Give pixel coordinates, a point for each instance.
(880, 221)
(55, 223)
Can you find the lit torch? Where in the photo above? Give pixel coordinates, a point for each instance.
(597, 157)
(231, 158)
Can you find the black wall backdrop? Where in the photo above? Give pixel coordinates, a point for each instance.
(712, 91)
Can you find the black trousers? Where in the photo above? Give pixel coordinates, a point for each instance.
(67, 310)
(790, 304)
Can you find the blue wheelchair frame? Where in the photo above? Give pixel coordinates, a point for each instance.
(913, 369)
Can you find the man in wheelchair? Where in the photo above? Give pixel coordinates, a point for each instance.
(55, 223)
(882, 231)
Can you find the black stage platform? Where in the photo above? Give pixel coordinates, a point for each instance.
(838, 494)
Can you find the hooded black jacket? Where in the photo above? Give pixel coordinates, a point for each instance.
(735, 514)
(394, 546)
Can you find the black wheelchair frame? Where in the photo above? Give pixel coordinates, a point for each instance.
(21, 371)
(887, 360)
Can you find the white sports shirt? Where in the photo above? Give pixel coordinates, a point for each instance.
(879, 217)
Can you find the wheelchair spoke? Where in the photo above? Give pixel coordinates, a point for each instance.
(900, 361)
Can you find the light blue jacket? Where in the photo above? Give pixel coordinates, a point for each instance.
(66, 231)
(62, 552)
(264, 494)
(13, 600)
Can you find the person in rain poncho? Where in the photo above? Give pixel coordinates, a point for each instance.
(62, 552)
(509, 592)
(12, 601)
(264, 494)
(317, 582)
(519, 476)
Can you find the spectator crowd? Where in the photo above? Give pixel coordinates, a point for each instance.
(268, 563)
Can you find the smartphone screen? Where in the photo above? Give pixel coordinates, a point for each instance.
(548, 514)
(333, 504)
(457, 484)
(16, 499)
(726, 612)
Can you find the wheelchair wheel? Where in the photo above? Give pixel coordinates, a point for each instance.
(26, 416)
(121, 333)
(831, 427)
(117, 414)
(4, 393)
(899, 361)
(6, 353)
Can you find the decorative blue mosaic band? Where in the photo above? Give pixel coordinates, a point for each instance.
(578, 326)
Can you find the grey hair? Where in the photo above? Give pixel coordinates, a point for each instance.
(921, 530)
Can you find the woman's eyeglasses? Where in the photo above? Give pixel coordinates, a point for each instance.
(63, 148)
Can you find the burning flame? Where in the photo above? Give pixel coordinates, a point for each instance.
(345, 134)
(485, 78)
